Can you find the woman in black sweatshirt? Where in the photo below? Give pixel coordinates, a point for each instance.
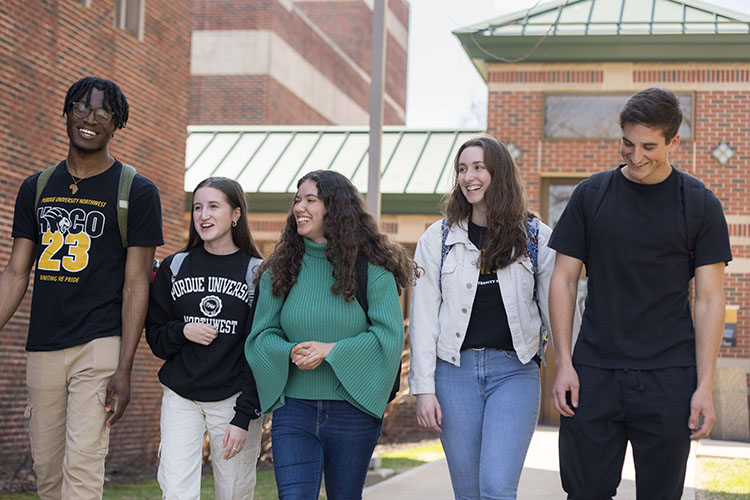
(200, 312)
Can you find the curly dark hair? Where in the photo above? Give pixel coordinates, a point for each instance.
(507, 209)
(114, 99)
(348, 228)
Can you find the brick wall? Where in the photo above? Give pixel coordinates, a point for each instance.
(229, 99)
(46, 46)
(722, 108)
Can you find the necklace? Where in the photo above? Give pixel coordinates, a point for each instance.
(74, 187)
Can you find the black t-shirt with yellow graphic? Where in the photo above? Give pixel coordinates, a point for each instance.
(80, 267)
(488, 325)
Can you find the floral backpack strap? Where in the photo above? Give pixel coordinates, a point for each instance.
(532, 234)
(444, 249)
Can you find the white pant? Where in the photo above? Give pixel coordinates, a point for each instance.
(184, 424)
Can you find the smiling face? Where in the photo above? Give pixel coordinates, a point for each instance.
(309, 211)
(646, 153)
(86, 134)
(473, 177)
(212, 219)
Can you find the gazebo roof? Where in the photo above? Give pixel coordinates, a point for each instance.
(611, 30)
(416, 167)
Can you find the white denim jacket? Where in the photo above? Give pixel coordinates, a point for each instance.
(438, 323)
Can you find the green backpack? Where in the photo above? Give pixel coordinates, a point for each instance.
(123, 196)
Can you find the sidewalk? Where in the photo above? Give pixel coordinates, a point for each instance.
(540, 479)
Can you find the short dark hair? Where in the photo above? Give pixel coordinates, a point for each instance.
(654, 108)
(113, 97)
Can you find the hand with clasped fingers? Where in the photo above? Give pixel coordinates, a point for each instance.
(308, 355)
(200, 333)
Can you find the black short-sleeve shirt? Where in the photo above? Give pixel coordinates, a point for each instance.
(638, 265)
(80, 266)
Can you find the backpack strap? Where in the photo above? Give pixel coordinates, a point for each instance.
(532, 236)
(361, 276)
(444, 249)
(694, 206)
(41, 183)
(596, 188)
(123, 196)
(252, 269)
(361, 295)
(176, 263)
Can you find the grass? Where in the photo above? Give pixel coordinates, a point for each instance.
(405, 459)
(718, 478)
(265, 489)
(723, 479)
(265, 486)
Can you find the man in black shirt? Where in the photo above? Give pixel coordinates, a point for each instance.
(641, 371)
(90, 291)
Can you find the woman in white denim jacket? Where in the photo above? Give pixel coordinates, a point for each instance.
(475, 353)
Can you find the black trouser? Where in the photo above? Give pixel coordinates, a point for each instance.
(649, 408)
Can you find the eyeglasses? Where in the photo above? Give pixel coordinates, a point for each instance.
(81, 110)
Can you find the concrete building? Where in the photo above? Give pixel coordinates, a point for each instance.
(293, 62)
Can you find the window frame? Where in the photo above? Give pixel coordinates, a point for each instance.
(120, 17)
(543, 121)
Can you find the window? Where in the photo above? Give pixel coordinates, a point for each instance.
(576, 116)
(129, 16)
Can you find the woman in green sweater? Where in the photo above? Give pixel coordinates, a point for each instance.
(323, 365)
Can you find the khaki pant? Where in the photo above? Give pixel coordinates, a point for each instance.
(184, 424)
(67, 421)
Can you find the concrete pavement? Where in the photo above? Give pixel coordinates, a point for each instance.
(540, 479)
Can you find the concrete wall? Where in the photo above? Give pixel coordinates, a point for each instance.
(292, 63)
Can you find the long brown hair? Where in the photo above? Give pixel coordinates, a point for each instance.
(349, 228)
(507, 210)
(235, 196)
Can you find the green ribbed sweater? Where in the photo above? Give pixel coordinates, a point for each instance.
(362, 365)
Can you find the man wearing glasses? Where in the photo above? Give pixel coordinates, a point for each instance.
(90, 291)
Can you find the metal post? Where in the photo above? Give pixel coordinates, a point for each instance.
(377, 82)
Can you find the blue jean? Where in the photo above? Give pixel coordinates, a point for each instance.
(490, 406)
(312, 438)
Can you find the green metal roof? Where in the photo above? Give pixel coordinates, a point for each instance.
(416, 167)
(622, 30)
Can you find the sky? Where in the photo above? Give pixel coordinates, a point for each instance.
(444, 90)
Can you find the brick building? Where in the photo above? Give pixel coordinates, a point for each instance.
(293, 62)
(46, 46)
(555, 91)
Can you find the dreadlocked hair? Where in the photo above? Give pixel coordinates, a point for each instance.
(114, 99)
(507, 210)
(348, 228)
